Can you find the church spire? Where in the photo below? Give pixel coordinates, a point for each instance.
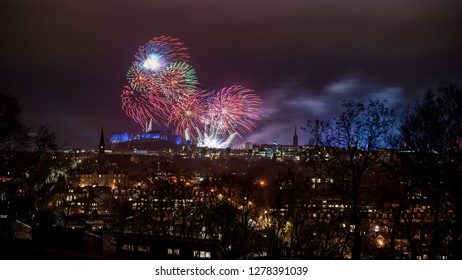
(295, 139)
(102, 143)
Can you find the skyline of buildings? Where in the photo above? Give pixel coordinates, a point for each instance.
(160, 139)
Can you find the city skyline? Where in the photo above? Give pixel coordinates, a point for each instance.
(66, 63)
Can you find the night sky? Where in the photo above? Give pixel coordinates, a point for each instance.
(66, 61)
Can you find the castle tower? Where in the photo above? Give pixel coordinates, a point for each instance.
(102, 143)
(295, 139)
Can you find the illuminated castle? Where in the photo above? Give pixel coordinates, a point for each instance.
(149, 141)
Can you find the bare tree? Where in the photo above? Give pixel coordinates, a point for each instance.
(353, 145)
(432, 132)
(13, 132)
(26, 164)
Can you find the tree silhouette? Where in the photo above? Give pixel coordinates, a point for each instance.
(25, 166)
(432, 132)
(352, 146)
(13, 132)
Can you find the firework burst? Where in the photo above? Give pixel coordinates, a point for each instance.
(188, 116)
(159, 52)
(163, 90)
(235, 109)
(162, 104)
(178, 81)
(139, 108)
(139, 80)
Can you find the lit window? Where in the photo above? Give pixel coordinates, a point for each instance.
(173, 252)
(145, 249)
(128, 247)
(202, 254)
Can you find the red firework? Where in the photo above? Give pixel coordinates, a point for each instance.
(235, 109)
(139, 108)
(162, 105)
(188, 116)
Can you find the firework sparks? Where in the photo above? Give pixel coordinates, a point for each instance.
(138, 107)
(236, 109)
(211, 136)
(159, 52)
(164, 90)
(139, 80)
(188, 115)
(177, 81)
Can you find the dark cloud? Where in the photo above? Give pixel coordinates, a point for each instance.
(66, 61)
